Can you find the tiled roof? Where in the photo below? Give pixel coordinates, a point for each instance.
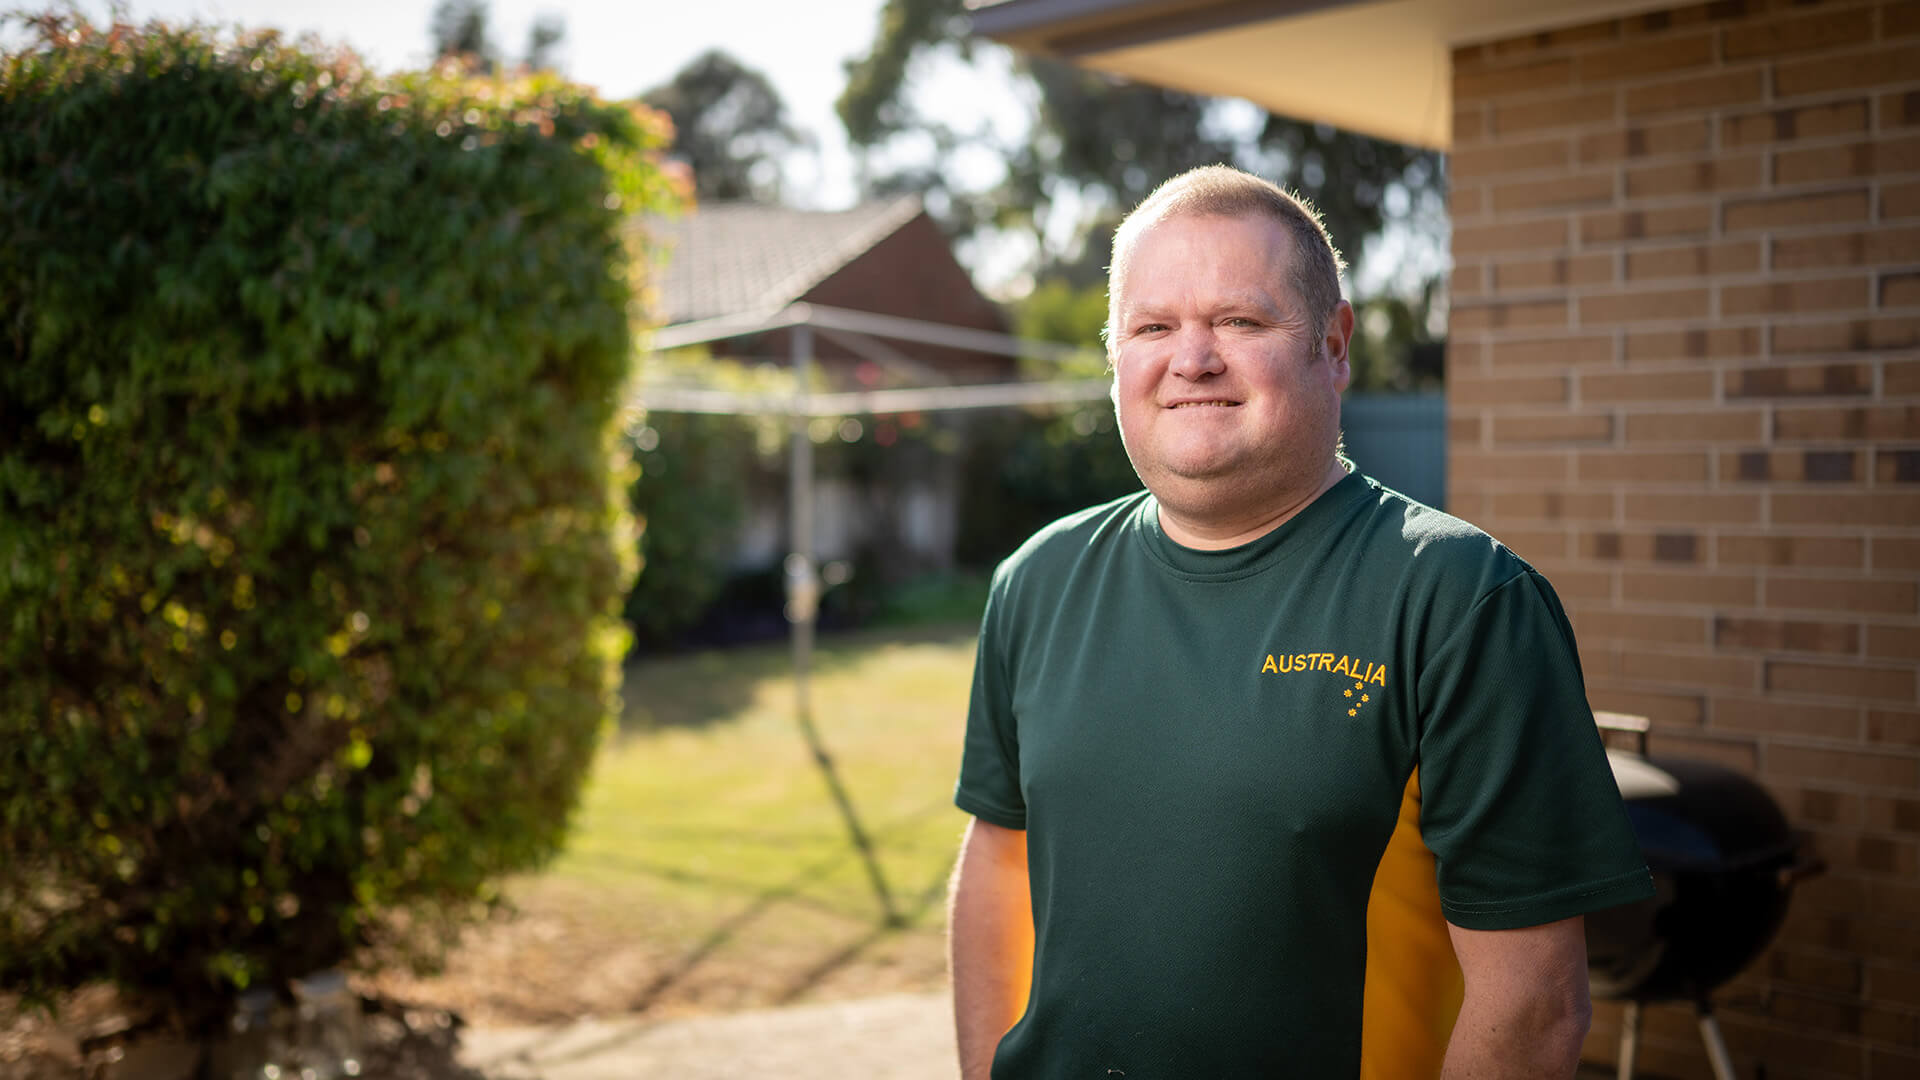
(735, 258)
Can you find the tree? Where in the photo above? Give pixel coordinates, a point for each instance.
(730, 127)
(312, 535)
(1101, 143)
(459, 28)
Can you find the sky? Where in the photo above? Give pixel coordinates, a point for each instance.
(620, 47)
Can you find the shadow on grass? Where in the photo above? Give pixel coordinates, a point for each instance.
(700, 689)
(764, 902)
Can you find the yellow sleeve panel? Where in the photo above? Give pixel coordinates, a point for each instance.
(1413, 987)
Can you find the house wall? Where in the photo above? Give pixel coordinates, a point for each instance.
(1683, 380)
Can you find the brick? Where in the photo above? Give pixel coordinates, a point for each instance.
(1512, 79)
(1893, 642)
(1735, 753)
(1469, 468)
(1468, 281)
(1900, 290)
(1581, 34)
(1900, 109)
(1693, 260)
(1848, 595)
(1808, 33)
(1697, 92)
(1853, 161)
(1695, 508)
(1497, 158)
(1896, 466)
(1668, 666)
(1890, 814)
(1553, 428)
(1646, 58)
(1686, 136)
(1516, 275)
(1853, 335)
(1567, 111)
(1463, 430)
(1821, 805)
(1899, 985)
(1788, 211)
(1668, 547)
(1695, 177)
(1894, 553)
(1465, 201)
(1775, 549)
(1515, 236)
(1643, 306)
(1641, 467)
(1781, 297)
(1535, 544)
(1861, 70)
(1893, 728)
(1859, 681)
(1693, 587)
(1558, 351)
(1825, 971)
(1785, 635)
(1713, 425)
(1576, 585)
(1792, 466)
(1667, 386)
(1592, 189)
(1719, 342)
(1899, 379)
(1505, 314)
(1900, 19)
(1847, 422)
(1640, 626)
(1763, 716)
(1801, 122)
(1900, 201)
(1850, 766)
(1800, 380)
(1664, 710)
(1553, 505)
(1507, 390)
(1670, 222)
(1846, 249)
(1469, 124)
(1879, 508)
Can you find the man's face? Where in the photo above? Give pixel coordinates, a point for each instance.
(1223, 391)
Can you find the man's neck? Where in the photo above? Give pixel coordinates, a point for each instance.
(1217, 533)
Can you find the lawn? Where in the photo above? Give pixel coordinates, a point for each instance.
(711, 866)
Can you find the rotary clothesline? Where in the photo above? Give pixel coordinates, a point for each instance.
(802, 405)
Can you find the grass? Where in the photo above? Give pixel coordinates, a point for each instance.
(710, 865)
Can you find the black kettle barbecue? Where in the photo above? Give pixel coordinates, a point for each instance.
(1724, 863)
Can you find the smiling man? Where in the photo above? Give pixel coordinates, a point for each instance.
(1199, 711)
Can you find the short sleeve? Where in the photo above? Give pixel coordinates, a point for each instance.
(1519, 804)
(989, 784)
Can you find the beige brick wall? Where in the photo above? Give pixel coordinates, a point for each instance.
(1684, 380)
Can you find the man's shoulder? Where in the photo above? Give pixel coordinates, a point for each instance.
(1430, 543)
(1068, 538)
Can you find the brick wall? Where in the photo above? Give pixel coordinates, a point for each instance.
(1684, 380)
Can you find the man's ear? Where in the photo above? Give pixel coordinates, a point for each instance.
(1339, 337)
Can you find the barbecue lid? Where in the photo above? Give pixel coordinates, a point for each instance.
(1698, 816)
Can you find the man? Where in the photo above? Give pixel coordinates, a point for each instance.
(1196, 711)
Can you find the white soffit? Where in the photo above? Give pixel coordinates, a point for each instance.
(1380, 68)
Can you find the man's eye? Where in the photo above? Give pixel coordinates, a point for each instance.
(1150, 328)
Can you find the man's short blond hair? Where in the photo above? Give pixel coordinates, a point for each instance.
(1222, 191)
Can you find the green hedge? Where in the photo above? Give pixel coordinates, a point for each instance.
(312, 534)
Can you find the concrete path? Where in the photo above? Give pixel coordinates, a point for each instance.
(897, 1037)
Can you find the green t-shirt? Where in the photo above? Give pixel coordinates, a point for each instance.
(1207, 750)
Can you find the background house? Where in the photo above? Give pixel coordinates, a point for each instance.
(1682, 379)
(744, 259)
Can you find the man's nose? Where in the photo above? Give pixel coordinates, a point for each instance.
(1195, 353)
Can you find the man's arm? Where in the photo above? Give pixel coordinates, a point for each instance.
(990, 941)
(1526, 1009)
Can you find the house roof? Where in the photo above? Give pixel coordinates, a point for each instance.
(739, 258)
(1382, 67)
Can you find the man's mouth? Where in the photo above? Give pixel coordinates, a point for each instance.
(1204, 404)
